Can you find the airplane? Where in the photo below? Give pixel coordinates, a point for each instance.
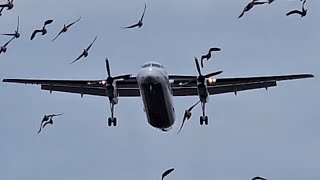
(157, 88)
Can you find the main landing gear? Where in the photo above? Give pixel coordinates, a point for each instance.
(203, 118)
(112, 121)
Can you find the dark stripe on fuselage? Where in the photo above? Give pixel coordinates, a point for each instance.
(157, 109)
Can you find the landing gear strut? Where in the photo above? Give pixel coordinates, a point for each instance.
(112, 121)
(203, 118)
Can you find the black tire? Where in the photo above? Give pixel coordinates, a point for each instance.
(206, 120)
(114, 122)
(109, 122)
(201, 120)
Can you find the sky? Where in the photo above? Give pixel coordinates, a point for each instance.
(271, 133)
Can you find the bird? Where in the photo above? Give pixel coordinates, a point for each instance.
(3, 48)
(65, 28)
(47, 119)
(208, 55)
(16, 33)
(140, 23)
(167, 172)
(85, 52)
(250, 6)
(258, 178)
(9, 5)
(187, 115)
(302, 13)
(43, 30)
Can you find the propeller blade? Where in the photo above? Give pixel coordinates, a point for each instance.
(108, 67)
(126, 76)
(213, 74)
(198, 66)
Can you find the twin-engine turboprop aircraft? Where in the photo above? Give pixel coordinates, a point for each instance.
(156, 88)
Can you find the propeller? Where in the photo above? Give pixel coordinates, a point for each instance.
(111, 79)
(201, 78)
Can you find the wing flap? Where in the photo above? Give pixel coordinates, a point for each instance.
(220, 89)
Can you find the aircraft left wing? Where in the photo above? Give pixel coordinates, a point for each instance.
(181, 86)
(125, 88)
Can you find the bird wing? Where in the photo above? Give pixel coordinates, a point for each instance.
(132, 26)
(57, 35)
(214, 49)
(18, 24)
(294, 12)
(8, 34)
(48, 122)
(69, 25)
(3, 5)
(91, 44)
(183, 121)
(1, 9)
(241, 14)
(48, 22)
(145, 7)
(167, 172)
(34, 33)
(258, 3)
(77, 58)
(6, 44)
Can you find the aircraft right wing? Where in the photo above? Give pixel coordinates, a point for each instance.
(125, 88)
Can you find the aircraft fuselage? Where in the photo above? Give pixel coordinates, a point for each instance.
(156, 94)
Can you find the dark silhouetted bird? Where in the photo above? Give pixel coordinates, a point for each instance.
(270, 1)
(3, 49)
(258, 178)
(140, 23)
(187, 115)
(9, 5)
(85, 52)
(302, 13)
(208, 55)
(16, 33)
(43, 31)
(167, 172)
(250, 6)
(65, 28)
(47, 119)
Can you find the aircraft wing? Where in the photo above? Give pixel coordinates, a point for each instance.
(182, 86)
(125, 88)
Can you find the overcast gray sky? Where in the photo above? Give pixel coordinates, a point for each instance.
(272, 133)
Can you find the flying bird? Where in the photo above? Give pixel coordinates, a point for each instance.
(167, 172)
(47, 119)
(258, 178)
(9, 5)
(302, 13)
(208, 55)
(3, 48)
(43, 31)
(250, 6)
(140, 23)
(85, 52)
(16, 33)
(65, 28)
(187, 115)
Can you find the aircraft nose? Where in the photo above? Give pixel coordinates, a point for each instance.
(150, 75)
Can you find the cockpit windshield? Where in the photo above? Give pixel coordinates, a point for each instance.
(157, 65)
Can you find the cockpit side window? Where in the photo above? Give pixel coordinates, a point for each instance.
(156, 65)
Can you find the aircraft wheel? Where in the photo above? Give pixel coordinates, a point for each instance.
(201, 120)
(114, 122)
(206, 121)
(109, 121)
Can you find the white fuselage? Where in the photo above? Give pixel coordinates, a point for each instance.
(156, 94)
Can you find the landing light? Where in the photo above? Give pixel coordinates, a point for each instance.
(212, 80)
(103, 82)
(150, 68)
